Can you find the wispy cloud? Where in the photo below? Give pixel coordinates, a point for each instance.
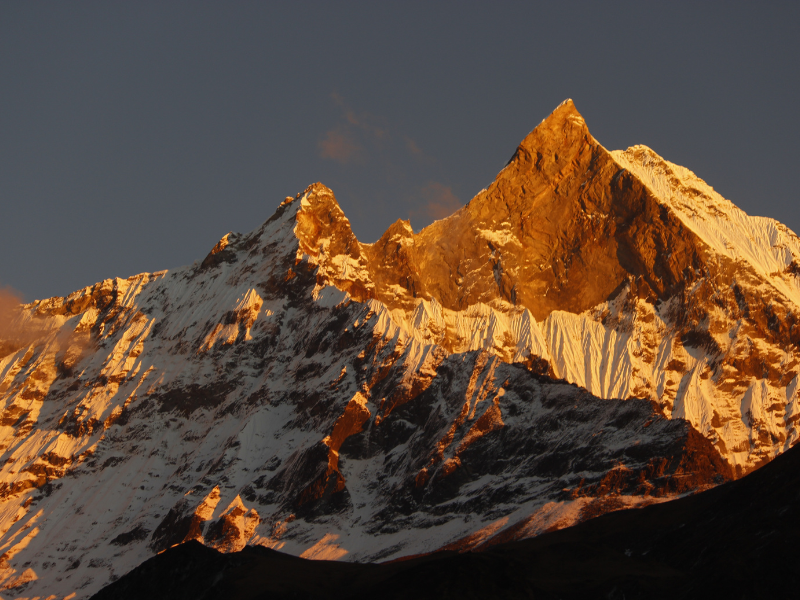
(18, 330)
(361, 136)
(384, 172)
(411, 146)
(10, 301)
(440, 202)
(366, 122)
(340, 145)
(12, 334)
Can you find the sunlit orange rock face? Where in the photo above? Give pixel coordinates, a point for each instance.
(642, 246)
(561, 228)
(594, 331)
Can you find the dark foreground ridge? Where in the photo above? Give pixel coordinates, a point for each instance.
(738, 540)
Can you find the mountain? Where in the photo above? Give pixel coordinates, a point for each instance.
(597, 330)
(641, 281)
(712, 544)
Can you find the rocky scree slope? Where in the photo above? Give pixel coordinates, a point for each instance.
(300, 390)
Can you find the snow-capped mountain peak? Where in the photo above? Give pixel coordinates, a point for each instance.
(593, 331)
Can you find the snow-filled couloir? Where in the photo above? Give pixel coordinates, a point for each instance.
(595, 330)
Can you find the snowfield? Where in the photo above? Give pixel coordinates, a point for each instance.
(336, 400)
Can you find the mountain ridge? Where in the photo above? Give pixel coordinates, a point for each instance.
(655, 251)
(298, 389)
(680, 549)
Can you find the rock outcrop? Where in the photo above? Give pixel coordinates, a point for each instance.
(684, 549)
(617, 271)
(595, 331)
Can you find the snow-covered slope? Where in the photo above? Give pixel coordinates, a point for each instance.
(301, 390)
(618, 271)
(243, 400)
(765, 245)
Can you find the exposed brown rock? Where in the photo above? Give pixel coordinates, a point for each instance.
(562, 227)
(332, 481)
(278, 384)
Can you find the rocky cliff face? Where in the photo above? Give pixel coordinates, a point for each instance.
(698, 546)
(617, 271)
(304, 391)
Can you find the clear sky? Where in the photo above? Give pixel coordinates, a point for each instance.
(133, 135)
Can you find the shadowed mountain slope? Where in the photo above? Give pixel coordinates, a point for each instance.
(596, 330)
(618, 271)
(735, 541)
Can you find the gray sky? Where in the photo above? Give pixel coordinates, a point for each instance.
(133, 135)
